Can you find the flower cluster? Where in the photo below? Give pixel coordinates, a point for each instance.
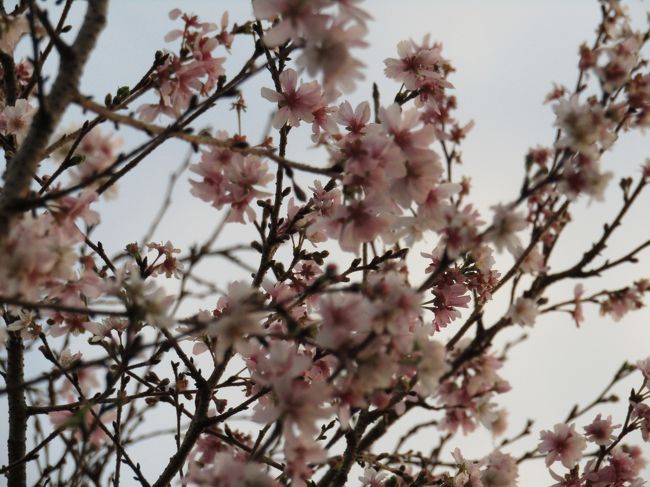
(232, 179)
(191, 73)
(325, 341)
(329, 30)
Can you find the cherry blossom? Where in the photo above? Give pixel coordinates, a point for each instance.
(298, 18)
(523, 311)
(15, 120)
(230, 179)
(279, 357)
(354, 121)
(226, 470)
(360, 222)
(346, 320)
(328, 51)
(644, 367)
(505, 226)
(431, 365)
(402, 127)
(295, 103)
(578, 314)
(373, 478)
(600, 431)
(563, 444)
(237, 315)
(641, 412)
(583, 126)
(501, 470)
(624, 465)
(416, 65)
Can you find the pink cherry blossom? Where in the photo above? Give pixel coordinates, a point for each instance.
(505, 226)
(15, 120)
(401, 125)
(619, 303)
(301, 453)
(501, 471)
(578, 313)
(623, 468)
(415, 65)
(346, 320)
(644, 367)
(641, 413)
(583, 125)
(600, 431)
(299, 18)
(360, 221)
(295, 103)
(421, 175)
(524, 312)
(584, 176)
(237, 316)
(431, 365)
(563, 444)
(328, 52)
(354, 121)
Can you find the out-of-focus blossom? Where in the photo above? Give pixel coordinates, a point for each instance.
(523, 311)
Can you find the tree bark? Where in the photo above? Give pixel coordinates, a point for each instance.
(16, 443)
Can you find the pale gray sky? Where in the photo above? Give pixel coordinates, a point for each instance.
(507, 54)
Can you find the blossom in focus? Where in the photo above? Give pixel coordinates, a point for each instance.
(170, 266)
(295, 102)
(563, 444)
(354, 121)
(230, 178)
(402, 126)
(416, 65)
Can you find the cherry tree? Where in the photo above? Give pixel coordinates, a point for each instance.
(295, 371)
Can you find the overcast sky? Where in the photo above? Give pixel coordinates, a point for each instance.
(507, 55)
